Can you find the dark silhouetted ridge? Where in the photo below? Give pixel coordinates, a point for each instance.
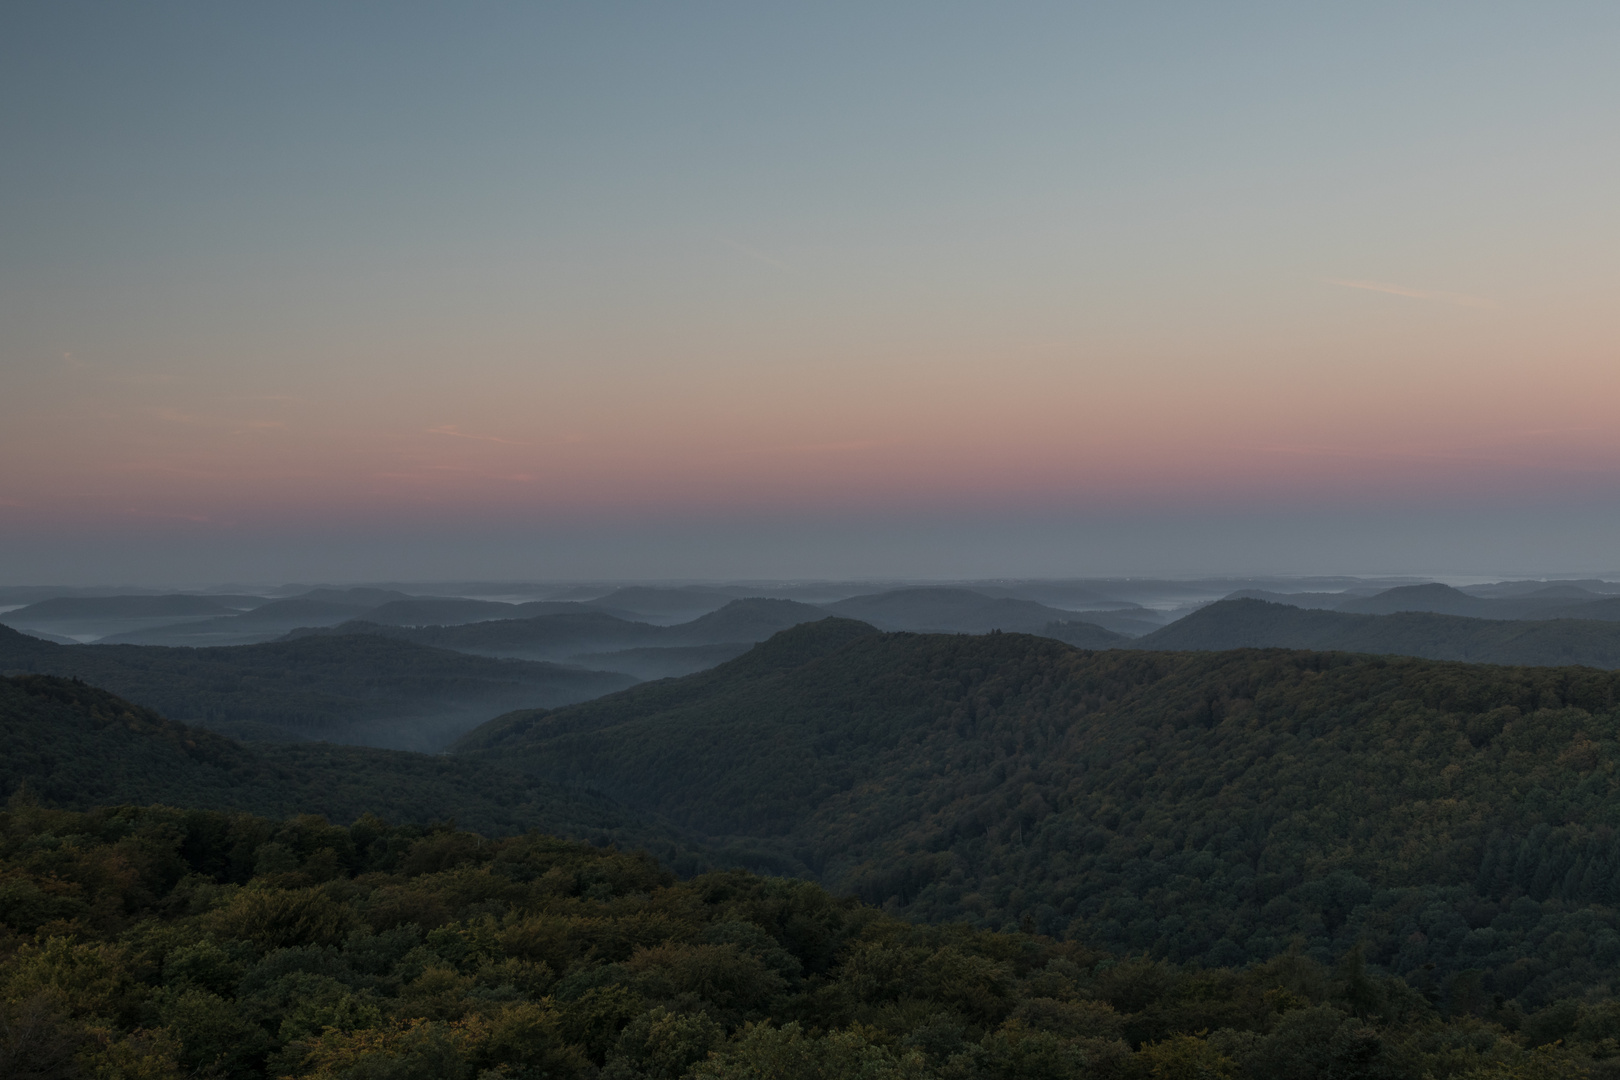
(1441, 599)
(78, 746)
(350, 687)
(1234, 624)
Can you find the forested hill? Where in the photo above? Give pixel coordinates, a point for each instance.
(73, 745)
(356, 688)
(1249, 623)
(1212, 806)
(157, 944)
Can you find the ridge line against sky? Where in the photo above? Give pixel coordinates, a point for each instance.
(372, 291)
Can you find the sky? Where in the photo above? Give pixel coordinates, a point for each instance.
(344, 291)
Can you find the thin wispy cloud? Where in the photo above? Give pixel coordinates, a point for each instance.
(820, 448)
(451, 430)
(236, 425)
(756, 255)
(1458, 299)
(428, 472)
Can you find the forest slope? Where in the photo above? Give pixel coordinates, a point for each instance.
(600, 639)
(1211, 806)
(73, 745)
(354, 688)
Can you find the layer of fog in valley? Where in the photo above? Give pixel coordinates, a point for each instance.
(417, 665)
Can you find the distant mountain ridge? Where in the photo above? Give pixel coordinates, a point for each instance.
(593, 638)
(1558, 601)
(176, 604)
(940, 610)
(208, 619)
(1249, 623)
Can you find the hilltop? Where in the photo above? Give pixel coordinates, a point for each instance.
(1209, 806)
(961, 611)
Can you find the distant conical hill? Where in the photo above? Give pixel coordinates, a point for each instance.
(1441, 599)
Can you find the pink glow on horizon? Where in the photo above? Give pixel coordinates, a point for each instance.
(971, 446)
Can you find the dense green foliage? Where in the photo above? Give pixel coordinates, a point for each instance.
(162, 944)
(1246, 624)
(1200, 806)
(351, 688)
(76, 746)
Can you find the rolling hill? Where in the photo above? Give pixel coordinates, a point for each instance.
(1199, 806)
(1084, 635)
(353, 688)
(599, 640)
(1434, 597)
(663, 662)
(82, 618)
(662, 605)
(1558, 601)
(170, 605)
(543, 637)
(1246, 623)
(956, 611)
(76, 746)
(265, 622)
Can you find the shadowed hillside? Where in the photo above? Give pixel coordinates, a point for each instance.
(77, 746)
(1213, 805)
(344, 688)
(1441, 599)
